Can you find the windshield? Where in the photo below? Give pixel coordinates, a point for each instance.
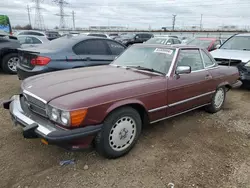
(158, 59)
(128, 36)
(156, 41)
(199, 42)
(237, 43)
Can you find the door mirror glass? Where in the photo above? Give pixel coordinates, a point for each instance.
(183, 70)
(136, 37)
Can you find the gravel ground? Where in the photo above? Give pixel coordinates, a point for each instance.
(193, 150)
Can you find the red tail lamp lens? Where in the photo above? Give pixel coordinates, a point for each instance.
(41, 61)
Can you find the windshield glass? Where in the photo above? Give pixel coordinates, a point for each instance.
(199, 42)
(156, 41)
(237, 43)
(158, 59)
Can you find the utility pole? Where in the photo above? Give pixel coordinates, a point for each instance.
(201, 22)
(28, 9)
(39, 23)
(61, 4)
(174, 16)
(73, 16)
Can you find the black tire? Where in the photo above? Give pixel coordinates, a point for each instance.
(5, 61)
(213, 108)
(102, 140)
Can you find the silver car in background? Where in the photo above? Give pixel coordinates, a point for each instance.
(163, 40)
(236, 52)
(27, 41)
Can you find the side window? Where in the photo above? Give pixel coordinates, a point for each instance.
(170, 41)
(115, 47)
(176, 41)
(190, 58)
(90, 47)
(35, 40)
(207, 61)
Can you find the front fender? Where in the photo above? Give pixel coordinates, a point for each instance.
(123, 103)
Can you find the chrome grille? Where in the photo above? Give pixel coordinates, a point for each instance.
(35, 105)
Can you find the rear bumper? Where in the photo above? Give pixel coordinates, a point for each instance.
(35, 126)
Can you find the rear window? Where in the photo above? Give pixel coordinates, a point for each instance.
(59, 43)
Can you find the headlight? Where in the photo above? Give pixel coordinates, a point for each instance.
(54, 114)
(248, 64)
(66, 118)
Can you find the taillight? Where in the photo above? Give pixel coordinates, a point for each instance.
(41, 61)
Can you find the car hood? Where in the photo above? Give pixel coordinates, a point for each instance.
(52, 85)
(242, 55)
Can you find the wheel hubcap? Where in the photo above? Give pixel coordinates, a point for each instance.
(12, 63)
(219, 98)
(122, 133)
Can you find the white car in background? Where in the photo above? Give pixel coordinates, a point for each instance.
(27, 41)
(163, 40)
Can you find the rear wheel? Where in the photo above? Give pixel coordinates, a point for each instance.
(121, 130)
(217, 100)
(9, 63)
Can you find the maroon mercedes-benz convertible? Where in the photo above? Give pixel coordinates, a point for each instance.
(109, 105)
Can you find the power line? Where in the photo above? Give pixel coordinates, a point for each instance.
(28, 9)
(39, 23)
(61, 4)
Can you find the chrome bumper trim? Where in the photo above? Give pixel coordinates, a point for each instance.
(18, 113)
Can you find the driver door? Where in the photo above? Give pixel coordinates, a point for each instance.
(187, 91)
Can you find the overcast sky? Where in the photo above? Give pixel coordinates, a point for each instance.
(134, 14)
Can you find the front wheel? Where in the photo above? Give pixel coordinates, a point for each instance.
(218, 100)
(121, 130)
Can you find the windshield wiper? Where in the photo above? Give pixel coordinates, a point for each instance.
(145, 68)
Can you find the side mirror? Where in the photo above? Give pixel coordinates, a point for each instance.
(183, 70)
(136, 37)
(217, 46)
(168, 43)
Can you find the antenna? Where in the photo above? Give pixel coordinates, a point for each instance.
(39, 23)
(61, 4)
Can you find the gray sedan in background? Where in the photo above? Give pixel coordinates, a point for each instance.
(66, 53)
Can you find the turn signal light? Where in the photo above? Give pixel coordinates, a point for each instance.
(77, 117)
(41, 61)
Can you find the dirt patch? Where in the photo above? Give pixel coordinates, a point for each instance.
(192, 150)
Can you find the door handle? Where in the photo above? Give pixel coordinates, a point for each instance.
(208, 77)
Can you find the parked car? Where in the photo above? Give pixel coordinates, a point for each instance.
(236, 52)
(163, 40)
(209, 43)
(8, 53)
(113, 35)
(131, 38)
(67, 53)
(109, 105)
(98, 35)
(51, 35)
(31, 40)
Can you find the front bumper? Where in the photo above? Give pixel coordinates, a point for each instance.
(36, 126)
